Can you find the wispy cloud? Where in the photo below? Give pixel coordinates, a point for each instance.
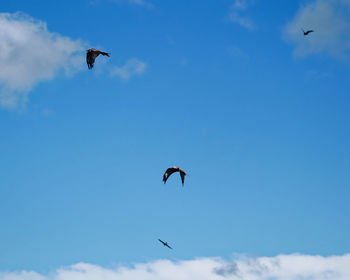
(131, 68)
(30, 54)
(47, 112)
(330, 20)
(281, 267)
(238, 15)
(240, 5)
(238, 53)
(142, 3)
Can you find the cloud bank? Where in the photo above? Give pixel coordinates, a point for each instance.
(281, 267)
(30, 54)
(331, 21)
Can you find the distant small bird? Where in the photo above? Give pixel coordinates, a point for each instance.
(171, 170)
(307, 32)
(165, 244)
(91, 55)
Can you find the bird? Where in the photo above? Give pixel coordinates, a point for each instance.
(91, 55)
(173, 169)
(307, 32)
(165, 244)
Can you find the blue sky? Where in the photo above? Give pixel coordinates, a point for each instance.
(231, 91)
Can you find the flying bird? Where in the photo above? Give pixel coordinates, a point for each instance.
(165, 244)
(171, 170)
(91, 55)
(307, 32)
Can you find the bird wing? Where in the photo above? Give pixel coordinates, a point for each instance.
(104, 53)
(161, 241)
(307, 32)
(168, 172)
(182, 174)
(168, 246)
(90, 58)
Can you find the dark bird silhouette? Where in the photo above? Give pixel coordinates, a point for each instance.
(171, 170)
(165, 244)
(307, 32)
(91, 55)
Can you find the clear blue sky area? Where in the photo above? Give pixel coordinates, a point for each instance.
(262, 133)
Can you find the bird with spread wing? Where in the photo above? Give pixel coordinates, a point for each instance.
(165, 244)
(307, 32)
(91, 55)
(172, 170)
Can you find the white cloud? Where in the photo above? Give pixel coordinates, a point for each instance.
(30, 54)
(330, 19)
(132, 67)
(281, 267)
(236, 14)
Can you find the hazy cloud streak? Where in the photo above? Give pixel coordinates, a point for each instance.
(132, 67)
(236, 14)
(142, 3)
